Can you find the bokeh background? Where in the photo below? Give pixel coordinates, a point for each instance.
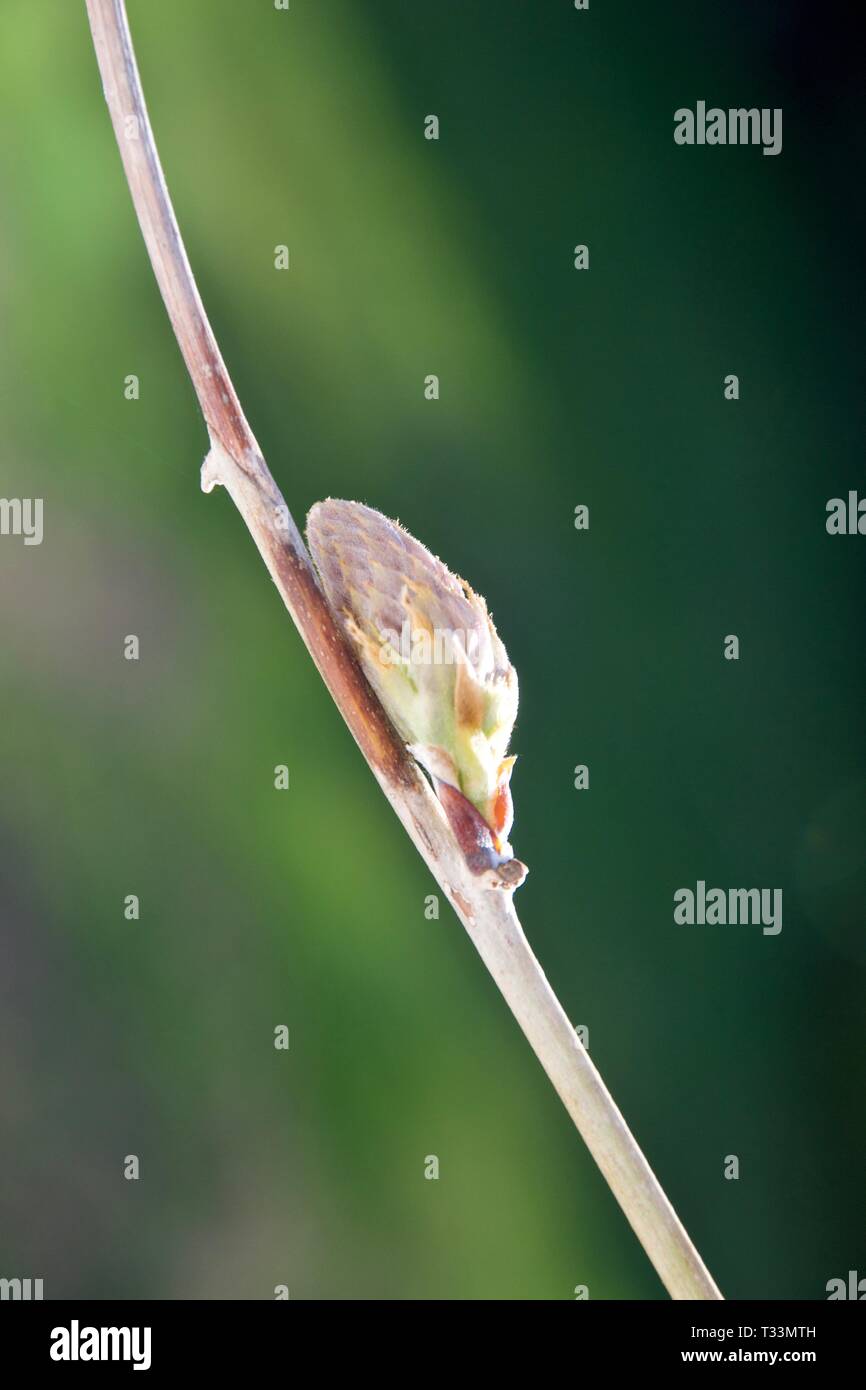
(307, 907)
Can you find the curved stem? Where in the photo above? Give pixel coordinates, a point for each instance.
(235, 461)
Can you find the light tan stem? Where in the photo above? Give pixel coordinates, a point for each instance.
(235, 462)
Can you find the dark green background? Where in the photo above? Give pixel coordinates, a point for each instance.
(306, 907)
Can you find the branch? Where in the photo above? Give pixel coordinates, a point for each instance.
(235, 461)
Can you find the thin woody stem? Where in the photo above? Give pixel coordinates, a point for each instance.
(235, 461)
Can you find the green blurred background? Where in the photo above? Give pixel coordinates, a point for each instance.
(306, 907)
